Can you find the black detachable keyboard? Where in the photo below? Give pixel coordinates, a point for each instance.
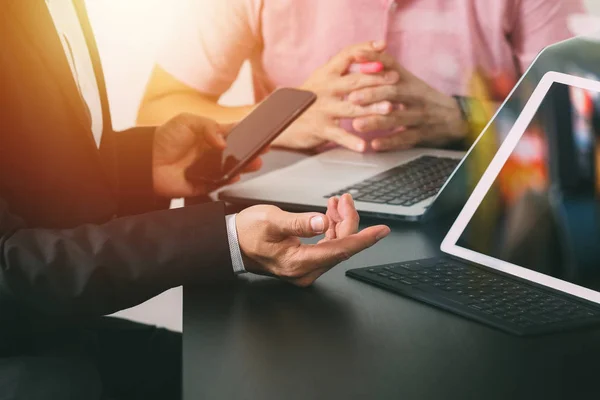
(482, 295)
(404, 185)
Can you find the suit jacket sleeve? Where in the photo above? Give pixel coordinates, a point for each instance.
(135, 189)
(51, 271)
(99, 269)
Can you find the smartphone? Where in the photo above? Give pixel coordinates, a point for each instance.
(251, 136)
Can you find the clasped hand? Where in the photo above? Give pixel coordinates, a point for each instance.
(392, 100)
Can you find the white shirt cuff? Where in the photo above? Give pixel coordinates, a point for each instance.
(234, 245)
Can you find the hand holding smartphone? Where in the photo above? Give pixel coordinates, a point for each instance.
(251, 136)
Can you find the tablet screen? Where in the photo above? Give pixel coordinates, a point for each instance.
(542, 211)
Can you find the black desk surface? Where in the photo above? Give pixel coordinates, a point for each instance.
(342, 339)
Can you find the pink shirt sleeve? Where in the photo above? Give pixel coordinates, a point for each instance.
(537, 24)
(209, 41)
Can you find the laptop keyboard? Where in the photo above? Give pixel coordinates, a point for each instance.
(404, 185)
(489, 298)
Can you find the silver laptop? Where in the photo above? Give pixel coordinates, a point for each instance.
(398, 185)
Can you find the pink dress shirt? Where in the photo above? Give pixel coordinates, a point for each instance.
(444, 42)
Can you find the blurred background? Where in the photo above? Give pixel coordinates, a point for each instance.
(129, 34)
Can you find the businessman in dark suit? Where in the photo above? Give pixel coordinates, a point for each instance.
(80, 231)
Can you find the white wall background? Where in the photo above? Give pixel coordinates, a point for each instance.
(129, 33)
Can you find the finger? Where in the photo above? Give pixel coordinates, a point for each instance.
(345, 109)
(332, 210)
(205, 128)
(354, 82)
(371, 67)
(343, 138)
(315, 273)
(398, 93)
(357, 53)
(229, 182)
(225, 129)
(214, 139)
(265, 150)
(334, 217)
(407, 117)
(349, 218)
(389, 62)
(398, 141)
(233, 180)
(330, 253)
(300, 225)
(254, 165)
(199, 189)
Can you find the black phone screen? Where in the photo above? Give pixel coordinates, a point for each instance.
(251, 135)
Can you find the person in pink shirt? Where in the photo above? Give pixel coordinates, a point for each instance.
(430, 50)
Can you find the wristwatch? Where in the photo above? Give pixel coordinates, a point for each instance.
(472, 111)
(463, 106)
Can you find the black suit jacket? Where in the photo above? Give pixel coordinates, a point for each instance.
(79, 234)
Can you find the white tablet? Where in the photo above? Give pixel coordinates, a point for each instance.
(526, 215)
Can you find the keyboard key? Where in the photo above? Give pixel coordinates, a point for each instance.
(396, 202)
(400, 271)
(370, 199)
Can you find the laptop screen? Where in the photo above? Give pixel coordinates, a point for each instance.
(543, 210)
(578, 57)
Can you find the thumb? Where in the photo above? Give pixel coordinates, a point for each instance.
(208, 130)
(214, 138)
(225, 129)
(302, 225)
